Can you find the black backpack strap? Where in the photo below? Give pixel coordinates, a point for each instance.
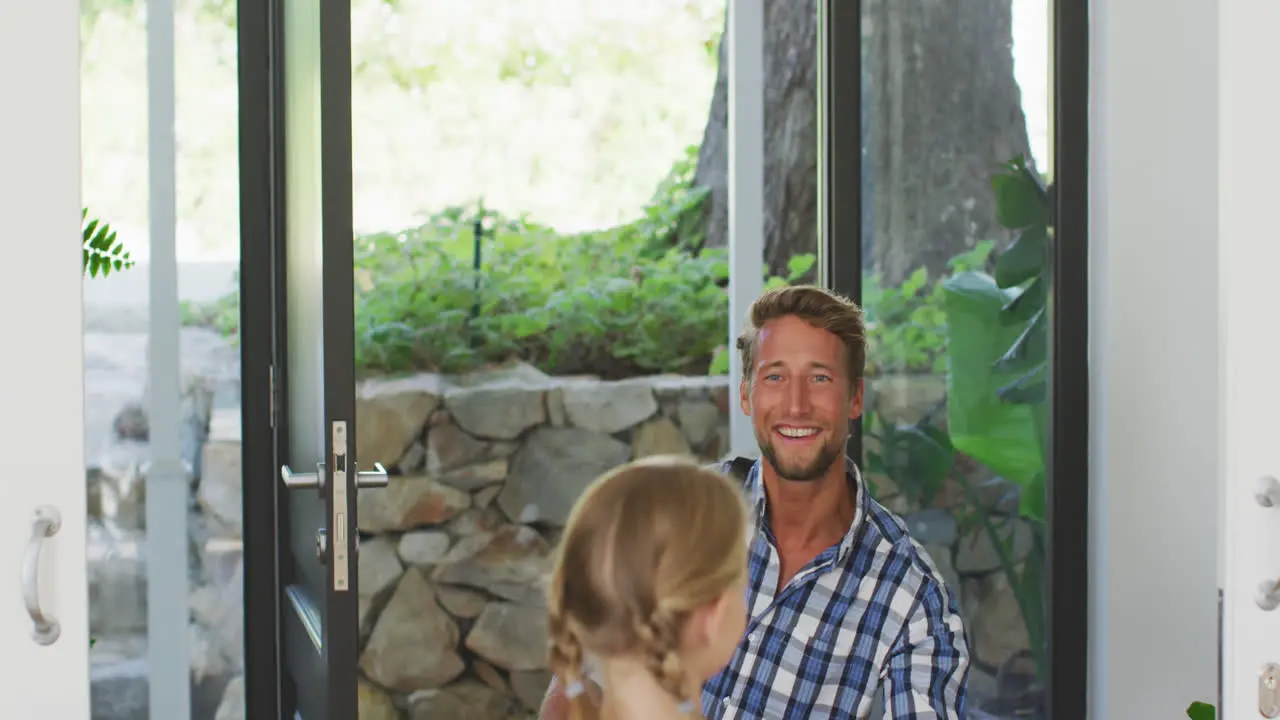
(739, 468)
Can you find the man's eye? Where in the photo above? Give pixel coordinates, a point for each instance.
(822, 378)
(773, 377)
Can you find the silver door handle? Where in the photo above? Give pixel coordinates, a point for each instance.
(372, 478)
(294, 480)
(46, 523)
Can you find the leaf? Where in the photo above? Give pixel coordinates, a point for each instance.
(1029, 389)
(1201, 711)
(1020, 201)
(1030, 347)
(1025, 258)
(1003, 436)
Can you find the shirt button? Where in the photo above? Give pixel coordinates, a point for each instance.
(754, 639)
(725, 702)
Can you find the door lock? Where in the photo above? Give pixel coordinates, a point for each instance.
(1269, 691)
(322, 545)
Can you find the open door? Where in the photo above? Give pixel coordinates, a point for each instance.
(296, 269)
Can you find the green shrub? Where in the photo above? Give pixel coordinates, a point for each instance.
(637, 299)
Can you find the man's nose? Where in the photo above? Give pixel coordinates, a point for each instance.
(798, 398)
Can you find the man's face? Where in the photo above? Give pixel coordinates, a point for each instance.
(799, 398)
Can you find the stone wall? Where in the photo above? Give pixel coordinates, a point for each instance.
(454, 552)
(453, 565)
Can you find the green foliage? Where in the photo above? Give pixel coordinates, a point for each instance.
(102, 252)
(624, 301)
(907, 324)
(1201, 711)
(998, 344)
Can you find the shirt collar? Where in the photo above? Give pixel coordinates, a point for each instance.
(759, 503)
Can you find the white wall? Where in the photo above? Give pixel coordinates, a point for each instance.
(1154, 357)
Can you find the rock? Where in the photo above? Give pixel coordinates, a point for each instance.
(424, 547)
(466, 700)
(117, 587)
(609, 407)
(374, 704)
(500, 411)
(556, 416)
(941, 557)
(378, 570)
(131, 423)
(932, 526)
(484, 498)
(975, 553)
(659, 436)
(407, 502)
(219, 609)
(720, 397)
(118, 679)
(414, 644)
(993, 619)
(552, 470)
(530, 686)
(232, 705)
(414, 460)
(474, 477)
(449, 447)
(512, 564)
(490, 676)
(390, 414)
(698, 419)
(476, 521)
(219, 491)
(512, 637)
(905, 398)
(461, 602)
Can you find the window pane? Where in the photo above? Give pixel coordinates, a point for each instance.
(956, 143)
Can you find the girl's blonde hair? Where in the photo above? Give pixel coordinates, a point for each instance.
(645, 546)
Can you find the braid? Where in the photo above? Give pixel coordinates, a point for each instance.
(659, 639)
(565, 659)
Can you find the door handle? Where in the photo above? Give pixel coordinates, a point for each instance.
(295, 481)
(46, 523)
(377, 477)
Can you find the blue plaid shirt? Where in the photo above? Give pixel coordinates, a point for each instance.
(871, 612)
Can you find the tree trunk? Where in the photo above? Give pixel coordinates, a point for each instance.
(942, 110)
(791, 137)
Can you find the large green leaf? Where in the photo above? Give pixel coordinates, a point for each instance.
(1003, 436)
(1025, 258)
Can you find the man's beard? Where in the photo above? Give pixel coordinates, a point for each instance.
(830, 452)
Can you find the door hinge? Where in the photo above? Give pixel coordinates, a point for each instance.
(273, 392)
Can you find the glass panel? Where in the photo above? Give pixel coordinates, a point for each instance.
(118, 422)
(546, 289)
(956, 144)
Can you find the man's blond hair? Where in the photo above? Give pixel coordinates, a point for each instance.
(818, 307)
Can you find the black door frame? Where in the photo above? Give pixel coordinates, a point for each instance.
(261, 135)
(261, 80)
(840, 261)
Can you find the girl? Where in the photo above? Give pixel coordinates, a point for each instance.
(650, 582)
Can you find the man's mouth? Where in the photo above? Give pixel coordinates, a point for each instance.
(797, 432)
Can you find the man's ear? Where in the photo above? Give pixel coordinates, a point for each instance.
(744, 395)
(855, 403)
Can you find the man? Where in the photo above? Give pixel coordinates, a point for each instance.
(843, 604)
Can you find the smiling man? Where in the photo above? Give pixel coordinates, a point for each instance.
(845, 608)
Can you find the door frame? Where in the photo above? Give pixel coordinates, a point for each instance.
(840, 83)
(260, 56)
(268, 559)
